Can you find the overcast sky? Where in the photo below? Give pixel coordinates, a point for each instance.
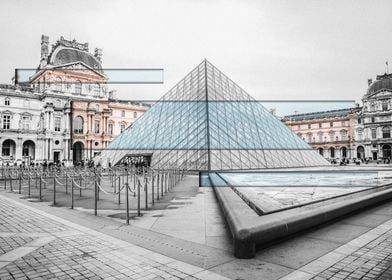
(273, 49)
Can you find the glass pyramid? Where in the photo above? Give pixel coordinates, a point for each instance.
(207, 122)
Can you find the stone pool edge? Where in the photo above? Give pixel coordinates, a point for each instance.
(250, 230)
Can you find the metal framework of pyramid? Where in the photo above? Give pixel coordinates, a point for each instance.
(207, 122)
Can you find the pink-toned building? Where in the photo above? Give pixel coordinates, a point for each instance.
(70, 72)
(97, 123)
(331, 133)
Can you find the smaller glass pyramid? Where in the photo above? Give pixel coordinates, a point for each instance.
(207, 122)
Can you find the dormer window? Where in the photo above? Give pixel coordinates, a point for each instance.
(58, 84)
(78, 87)
(97, 90)
(384, 105)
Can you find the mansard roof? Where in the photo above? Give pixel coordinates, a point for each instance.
(320, 115)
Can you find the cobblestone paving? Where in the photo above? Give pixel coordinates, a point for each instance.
(16, 219)
(373, 261)
(12, 242)
(74, 254)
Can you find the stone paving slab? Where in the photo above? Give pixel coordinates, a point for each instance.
(368, 256)
(71, 251)
(259, 268)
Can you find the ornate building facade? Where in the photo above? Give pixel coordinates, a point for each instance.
(34, 126)
(67, 113)
(329, 132)
(374, 121)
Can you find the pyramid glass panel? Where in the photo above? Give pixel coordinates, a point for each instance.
(207, 122)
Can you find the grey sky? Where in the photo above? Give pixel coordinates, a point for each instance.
(273, 49)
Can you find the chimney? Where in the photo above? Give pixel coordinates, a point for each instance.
(44, 49)
(370, 81)
(98, 54)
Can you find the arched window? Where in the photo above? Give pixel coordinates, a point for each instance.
(332, 152)
(321, 151)
(78, 125)
(78, 87)
(344, 152)
(386, 132)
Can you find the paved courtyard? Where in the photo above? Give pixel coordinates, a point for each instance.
(186, 238)
(37, 245)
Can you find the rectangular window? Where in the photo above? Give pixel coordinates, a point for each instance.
(7, 101)
(123, 113)
(320, 125)
(309, 126)
(57, 124)
(331, 124)
(134, 115)
(25, 123)
(122, 127)
(96, 127)
(110, 129)
(384, 106)
(374, 134)
(6, 121)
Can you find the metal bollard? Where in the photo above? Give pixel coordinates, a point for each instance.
(134, 183)
(72, 195)
(146, 191)
(80, 183)
(96, 199)
(138, 198)
(152, 189)
(162, 179)
(119, 190)
(66, 183)
(40, 189)
(158, 185)
(54, 190)
(127, 201)
(20, 183)
(29, 193)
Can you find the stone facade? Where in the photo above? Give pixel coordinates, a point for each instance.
(66, 113)
(34, 127)
(374, 121)
(97, 123)
(329, 132)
